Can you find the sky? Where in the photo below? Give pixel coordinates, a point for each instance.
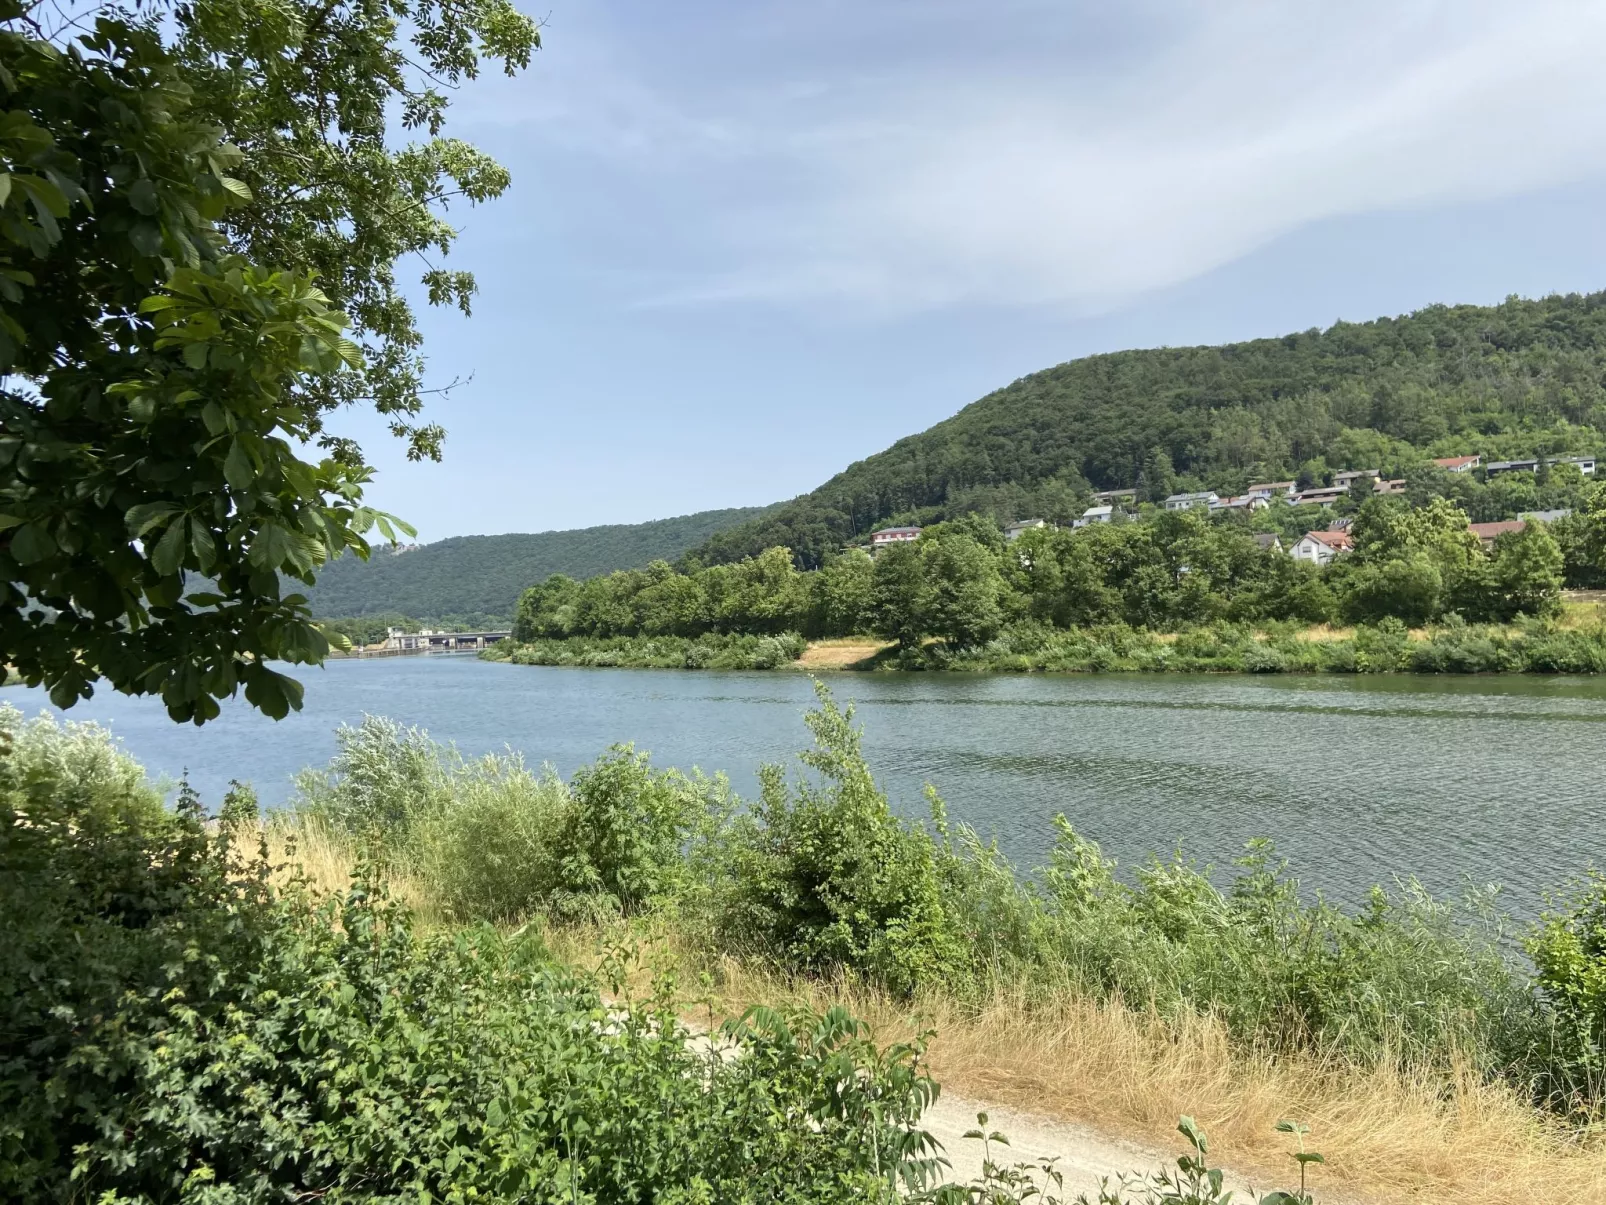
(748, 243)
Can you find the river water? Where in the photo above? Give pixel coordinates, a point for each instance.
(1357, 779)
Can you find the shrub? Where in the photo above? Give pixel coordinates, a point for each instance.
(826, 876)
(1568, 948)
(492, 852)
(625, 835)
(383, 778)
(178, 1030)
(1403, 975)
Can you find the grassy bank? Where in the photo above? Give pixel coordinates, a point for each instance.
(1391, 1130)
(1573, 643)
(556, 932)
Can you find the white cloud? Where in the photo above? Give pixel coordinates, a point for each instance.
(1054, 156)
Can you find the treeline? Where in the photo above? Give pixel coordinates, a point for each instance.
(474, 581)
(1513, 380)
(962, 583)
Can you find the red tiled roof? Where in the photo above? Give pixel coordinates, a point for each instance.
(1488, 531)
(1338, 540)
(1456, 462)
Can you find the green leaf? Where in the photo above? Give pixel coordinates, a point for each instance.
(140, 519)
(202, 544)
(168, 555)
(142, 196)
(271, 547)
(238, 470)
(235, 187)
(32, 544)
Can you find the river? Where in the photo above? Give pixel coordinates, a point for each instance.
(1357, 779)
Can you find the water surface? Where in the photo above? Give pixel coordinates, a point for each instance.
(1357, 779)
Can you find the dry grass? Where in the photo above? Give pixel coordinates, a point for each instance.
(1390, 1135)
(845, 653)
(325, 862)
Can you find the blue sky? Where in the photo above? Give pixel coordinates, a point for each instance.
(749, 243)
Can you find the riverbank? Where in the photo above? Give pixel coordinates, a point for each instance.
(1115, 1076)
(1403, 1032)
(1574, 643)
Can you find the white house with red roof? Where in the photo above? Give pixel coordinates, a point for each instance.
(1320, 547)
(893, 535)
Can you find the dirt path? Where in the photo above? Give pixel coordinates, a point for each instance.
(1084, 1156)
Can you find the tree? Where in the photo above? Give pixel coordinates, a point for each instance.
(159, 378)
(1527, 573)
(308, 90)
(840, 594)
(898, 595)
(962, 590)
(1408, 587)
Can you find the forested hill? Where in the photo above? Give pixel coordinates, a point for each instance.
(1520, 378)
(479, 578)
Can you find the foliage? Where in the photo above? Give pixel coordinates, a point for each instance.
(475, 581)
(710, 651)
(898, 596)
(178, 1029)
(1000, 605)
(1569, 954)
(311, 93)
(1518, 379)
(825, 876)
(159, 377)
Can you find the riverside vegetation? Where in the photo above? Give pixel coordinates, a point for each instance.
(187, 1020)
(1168, 591)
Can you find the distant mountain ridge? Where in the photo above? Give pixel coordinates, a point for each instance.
(478, 579)
(1517, 379)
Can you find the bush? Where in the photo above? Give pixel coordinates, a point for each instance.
(1403, 976)
(1569, 953)
(384, 777)
(178, 1030)
(824, 876)
(493, 852)
(626, 834)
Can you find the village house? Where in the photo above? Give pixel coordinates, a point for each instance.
(1016, 530)
(1189, 501)
(1269, 541)
(1271, 489)
(893, 535)
(1348, 475)
(1115, 495)
(1320, 547)
(1321, 496)
(1459, 464)
(1586, 465)
(1242, 502)
(1095, 514)
(1488, 533)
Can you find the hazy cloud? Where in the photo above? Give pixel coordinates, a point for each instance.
(896, 156)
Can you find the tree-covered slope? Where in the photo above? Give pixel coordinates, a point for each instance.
(1519, 378)
(479, 578)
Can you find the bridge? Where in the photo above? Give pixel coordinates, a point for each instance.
(398, 641)
(412, 644)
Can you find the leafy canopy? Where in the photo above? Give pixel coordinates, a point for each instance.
(170, 326)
